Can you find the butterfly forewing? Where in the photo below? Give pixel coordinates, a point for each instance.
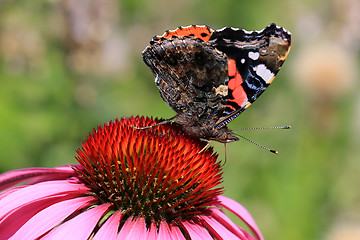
(254, 58)
(193, 31)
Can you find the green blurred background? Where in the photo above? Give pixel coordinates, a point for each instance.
(67, 66)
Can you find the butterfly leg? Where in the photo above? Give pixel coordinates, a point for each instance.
(206, 146)
(171, 120)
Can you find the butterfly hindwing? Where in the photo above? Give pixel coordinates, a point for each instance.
(189, 74)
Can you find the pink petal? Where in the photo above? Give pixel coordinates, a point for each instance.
(79, 227)
(19, 216)
(38, 191)
(133, 229)
(196, 231)
(125, 229)
(152, 233)
(59, 173)
(14, 177)
(242, 213)
(69, 167)
(219, 231)
(9, 191)
(170, 232)
(50, 217)
(219, 216)
(110, 228)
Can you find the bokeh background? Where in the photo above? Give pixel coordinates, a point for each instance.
(67, 66)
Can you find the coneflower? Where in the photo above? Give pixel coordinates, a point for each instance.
(155, 183)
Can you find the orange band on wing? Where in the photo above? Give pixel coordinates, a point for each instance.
(202, 32)
(231, 67)
(238, 93)
(240, 96)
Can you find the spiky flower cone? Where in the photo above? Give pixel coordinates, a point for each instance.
(156, 173)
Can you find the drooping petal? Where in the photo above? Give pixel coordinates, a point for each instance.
(14, 177)
(196, 231)
(242, 213)
(79, 227)
(126, 228)
(59, 173)
(38, 191)
(219, 231)
(172, 232)
(133, 229)
(110, 228)
(10, 191)
(50, 217)
(11, 223)
(152, 232)
(219, 216)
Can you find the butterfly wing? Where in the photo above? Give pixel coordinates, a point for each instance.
(189, 73)
(193, 31)
(254, 58)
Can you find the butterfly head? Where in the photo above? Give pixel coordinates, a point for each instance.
(224, 135)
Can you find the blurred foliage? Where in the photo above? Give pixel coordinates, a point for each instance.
(67, 66)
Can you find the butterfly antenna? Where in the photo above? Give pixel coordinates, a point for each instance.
(261, 128)
(171, 120)
(249, 140)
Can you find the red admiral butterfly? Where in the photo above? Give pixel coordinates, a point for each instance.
(209, 77)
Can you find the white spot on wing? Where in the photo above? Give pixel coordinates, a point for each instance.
(263, 72)
(157, 79)
(254, 55)
(242, 60)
